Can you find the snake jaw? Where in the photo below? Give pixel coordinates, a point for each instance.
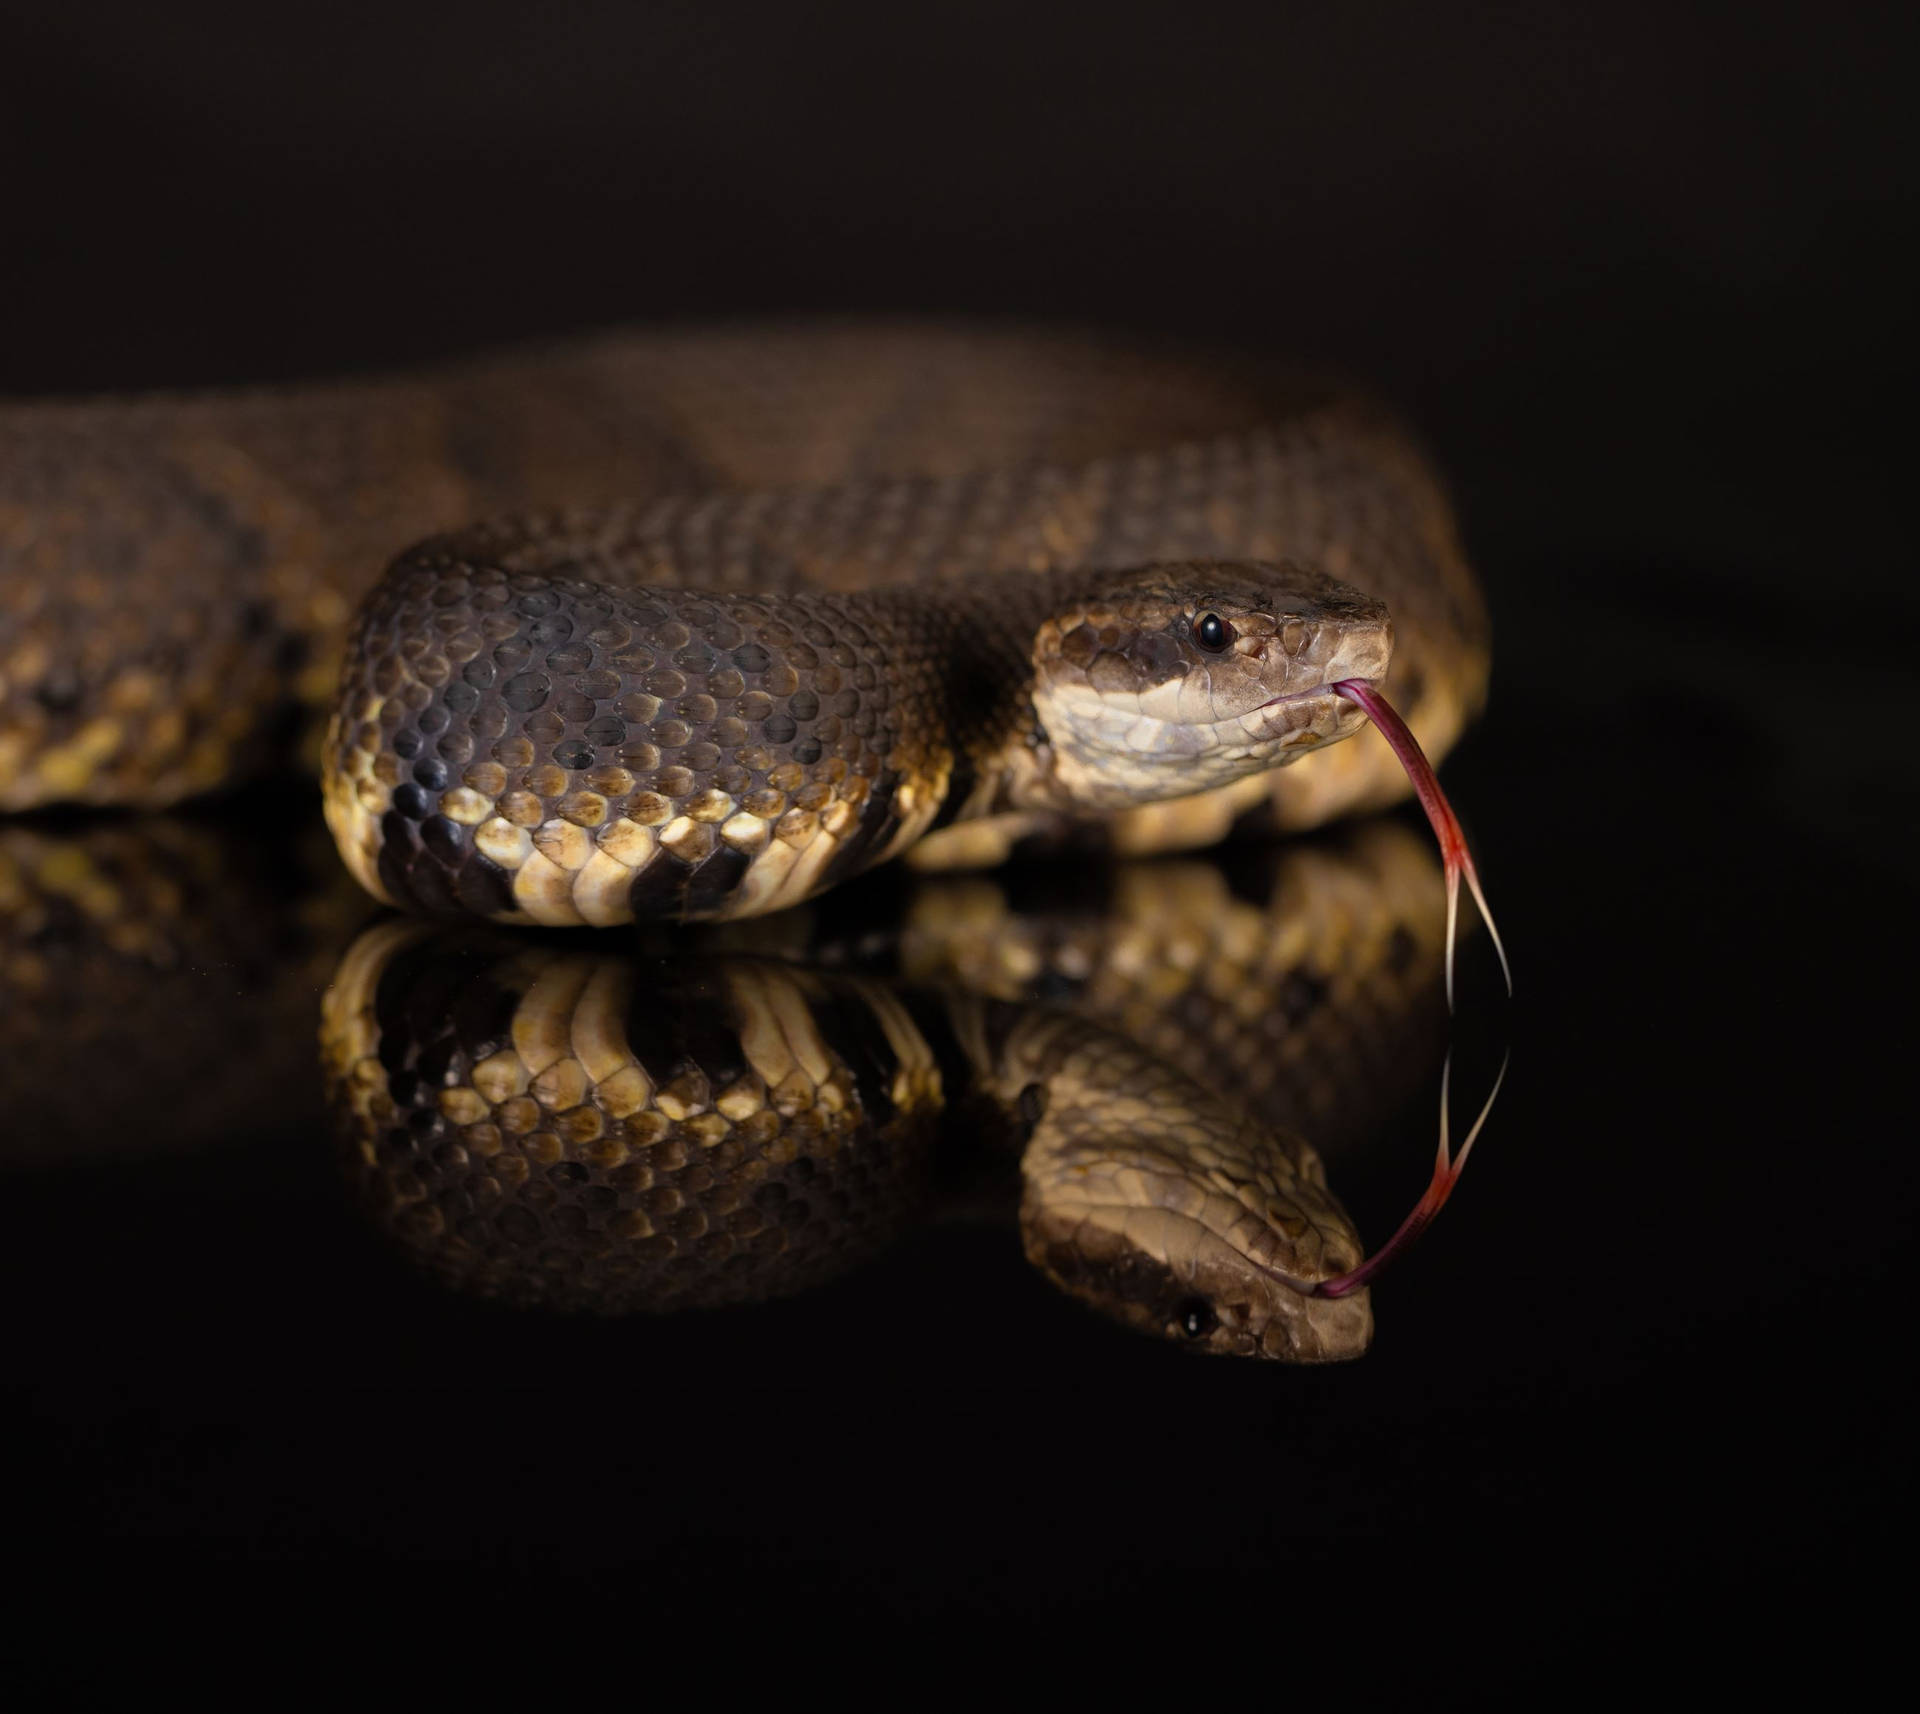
(1317, 690)
(1304, 720)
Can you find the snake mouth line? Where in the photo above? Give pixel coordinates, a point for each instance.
(1323, 689)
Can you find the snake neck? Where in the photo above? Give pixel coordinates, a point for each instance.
(1004, 759)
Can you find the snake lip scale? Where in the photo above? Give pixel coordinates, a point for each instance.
(1316, 690)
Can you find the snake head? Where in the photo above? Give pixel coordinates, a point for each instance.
(1149, 1199)
(1171, 680)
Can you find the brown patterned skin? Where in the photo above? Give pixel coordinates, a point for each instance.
(742, 1111)
(172, 572)
(1306, 985)
(581, 1130)
(566, 749)
(158, 981)
(578, 1129)
(161, 978)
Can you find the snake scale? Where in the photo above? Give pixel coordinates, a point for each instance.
(716, 1114)
(747, 1112)
(775, 603)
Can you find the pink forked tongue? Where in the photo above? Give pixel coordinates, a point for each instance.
(1447, 1167)
(1446, 825)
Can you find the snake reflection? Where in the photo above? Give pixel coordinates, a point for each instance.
(557, 1124)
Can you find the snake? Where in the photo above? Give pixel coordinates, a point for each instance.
(747, 610)
(1203, 1029)
(724, 1117)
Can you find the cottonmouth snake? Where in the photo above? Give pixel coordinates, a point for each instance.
(861, 590)
(858, 583)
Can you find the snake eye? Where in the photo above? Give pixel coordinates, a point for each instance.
(1212, 632)
(1195, 1318)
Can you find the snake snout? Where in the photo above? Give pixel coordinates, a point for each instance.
(1320, 1330)
(1331, 633)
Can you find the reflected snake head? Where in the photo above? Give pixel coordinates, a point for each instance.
(1171, 680)
(1150, 1200)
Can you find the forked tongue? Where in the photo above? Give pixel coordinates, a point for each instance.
(1446, 825)
(1447, 1166)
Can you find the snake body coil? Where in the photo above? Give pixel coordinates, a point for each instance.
(866, 588)
(767, 607)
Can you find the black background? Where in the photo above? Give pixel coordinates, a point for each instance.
(1642, 273)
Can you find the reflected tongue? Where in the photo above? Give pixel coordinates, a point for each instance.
(1446, 825)
(1447, 1166)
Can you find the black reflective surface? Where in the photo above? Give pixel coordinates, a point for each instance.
(1645, 1379)
(1651, 1289)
